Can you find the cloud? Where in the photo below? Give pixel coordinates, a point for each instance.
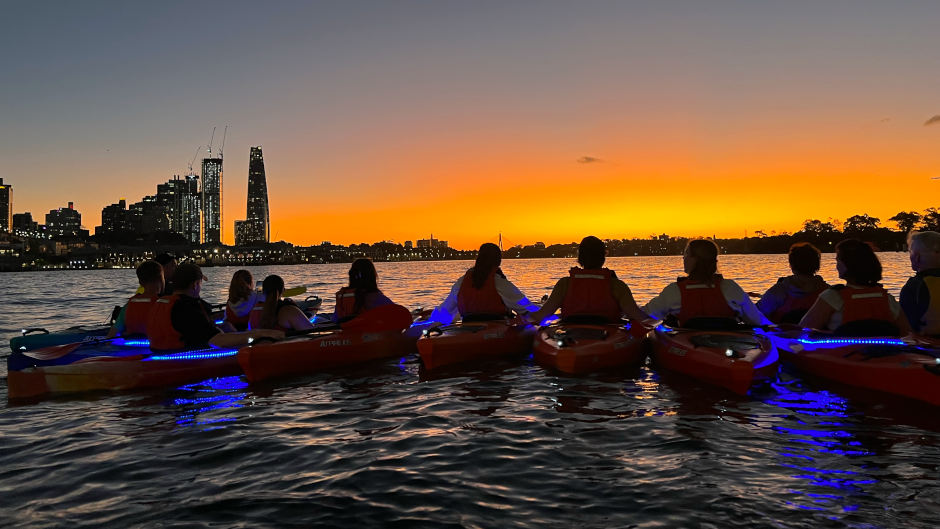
(591, 159)
(932, 121)
(885, 120)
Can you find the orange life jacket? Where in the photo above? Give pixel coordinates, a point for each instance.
(160, 329)
(703, 300)
(239, 322)
(345, 303)
(254, 318)
(870, 303)
(137, 313)
(485, 300)
(793, 303)
(590, 293)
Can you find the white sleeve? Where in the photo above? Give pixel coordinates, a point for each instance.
(513, 297)
(669, 301)
(742, 304)
(447, 311)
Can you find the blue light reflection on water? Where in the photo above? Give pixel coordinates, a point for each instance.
(209, 396)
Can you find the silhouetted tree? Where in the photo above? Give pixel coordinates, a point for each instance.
(860, 224)
(931, 220)
(818, 227)
(906, 220)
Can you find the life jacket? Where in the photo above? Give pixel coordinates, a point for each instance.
(869, 303)
(239, 322)
(794, 306)
(485, 300)
(254, 316)
(703, 300)
(137, 313)
(930, 319)
(346, 303)
(160, 329)
(590, 293)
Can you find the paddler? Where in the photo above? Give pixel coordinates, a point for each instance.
(704, 297)
(169, 263)
(920, 296)
(134, 316)
(590, 293)
(483, 292)
(274, 312)
(242, 298)
(860, 307)
(362, 293)
(182, 320)
(789, 299)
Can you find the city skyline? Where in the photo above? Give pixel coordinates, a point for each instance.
(539, 120)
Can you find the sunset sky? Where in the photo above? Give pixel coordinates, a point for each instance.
(545, 121)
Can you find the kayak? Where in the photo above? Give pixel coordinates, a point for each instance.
(577, 348)
(908, 368)
(117, 364)
(374, 334)
(469, 341)
(36, 338)
(734, 360)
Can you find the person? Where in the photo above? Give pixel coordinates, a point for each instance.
(483, 292)
(274, 312)
(168, 261)
(590, 293)
(362, 293)
(860, 307)
(920, 296)
(182, 320)
(789, 299)
(135, 314)
(704, 295)
(242, 298)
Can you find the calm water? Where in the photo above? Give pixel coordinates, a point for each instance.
(505, 445)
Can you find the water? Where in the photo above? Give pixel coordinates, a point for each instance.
(501, 445)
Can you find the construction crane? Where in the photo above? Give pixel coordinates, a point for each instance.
(211, 138)
(221, 147)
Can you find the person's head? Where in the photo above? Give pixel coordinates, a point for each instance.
(924, 247)
(150, 276)
(804, 259)
(700, 259)
(272, 287)
(188, 279)
(857, 263)
(362, 275)
(591, 252)
(168, 262)
(241, 287)
(488, 259)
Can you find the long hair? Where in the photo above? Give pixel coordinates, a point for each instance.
(592, 252)
(272, 287)
(363, 278)
(241, 286)
(861, 264)
(705, 252)
(488, 260)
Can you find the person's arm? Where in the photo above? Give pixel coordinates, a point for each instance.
(512, 297)
(447, 312)
(119, 325)
(628, 306)
(915, 299)
(742, 303)
(772, 300)
(292, 317)
(818, 316)
(900, 319)
(669, 301)
(551, 305)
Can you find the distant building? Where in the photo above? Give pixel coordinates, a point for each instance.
(431, 243)
(212, 200)
(149, 216)
(257, 227)
(181, 200)
(408, 245)
(64, 222)
(115, 219)
(6, 206)
(243, 233)
(25, 226)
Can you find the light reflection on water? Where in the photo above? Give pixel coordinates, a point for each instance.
(506, 444)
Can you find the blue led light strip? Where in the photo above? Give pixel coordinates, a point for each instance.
(203, 354)
(853, 341)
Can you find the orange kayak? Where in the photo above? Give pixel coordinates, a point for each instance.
(582, 348)
(470, 341)
(734, 360)
(909, 368)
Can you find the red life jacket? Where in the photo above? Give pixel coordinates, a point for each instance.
(239, 322)
(793, 303)
(590, 293)
(254, 318)
(485, 300)
(160, 329)
(870, 303)
(345, 303)
(703, 300)
(137, 313)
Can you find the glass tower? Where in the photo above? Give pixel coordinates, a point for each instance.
(212, 200)
(258, 217)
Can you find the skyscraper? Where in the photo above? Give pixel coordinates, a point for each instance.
(181, 200)
(212, 200)
(6, 207)
(64, 222)
(259, 221)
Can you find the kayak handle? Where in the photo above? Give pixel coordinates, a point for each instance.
(34, 329)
